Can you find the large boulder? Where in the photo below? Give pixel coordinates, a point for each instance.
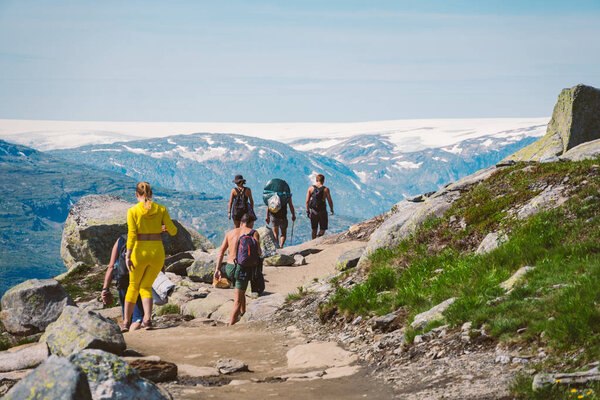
(406, 218)
(22, 357)
(76, 330)
(575, 120)
(264, 307)
(31, 306)
(585, 151)
(268, 244)
(57, 378)
(204, 308)
(111, 378)
(203, 267)
(96, 221)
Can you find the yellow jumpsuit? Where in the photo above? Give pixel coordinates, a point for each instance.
(147, 257)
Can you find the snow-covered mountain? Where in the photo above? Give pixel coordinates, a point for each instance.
(368, 172)
(382, 163)
(205, 162)
(407, 135)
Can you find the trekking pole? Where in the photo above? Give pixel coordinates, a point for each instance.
(292, 238)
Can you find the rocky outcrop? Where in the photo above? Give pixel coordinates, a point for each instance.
(349, 259)
(491, 242)
(31, 306)
(551, 197)
(111, 378)
(268, 244)
(585, 151)
(203, 268)
(434, 314)
(95, 222)
(583, 378)
(406, 217)
(180, 267)
(204, 308)
(516, 278)
(76, 330)
(575, 120)
(57, 378)
(264, 307)
(22, 357)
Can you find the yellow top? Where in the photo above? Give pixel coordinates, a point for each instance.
(141, 220)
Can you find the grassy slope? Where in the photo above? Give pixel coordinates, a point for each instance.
(559, 298)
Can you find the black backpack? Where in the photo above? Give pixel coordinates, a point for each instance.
(317, 198)
(257, 282)
(239, 206)
(121, 273)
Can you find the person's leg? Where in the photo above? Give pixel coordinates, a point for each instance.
(283, 229)
(314, 224)
(237, 305)
(276, 232)
(133, 289)
(156, 259)
(323, 223)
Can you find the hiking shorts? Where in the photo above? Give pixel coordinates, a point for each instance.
(319, 219)
(281, 223)
(238, 277)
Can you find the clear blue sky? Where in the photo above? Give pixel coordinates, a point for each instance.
(284, 60)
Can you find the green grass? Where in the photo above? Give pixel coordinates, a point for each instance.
(438, 262)
(298, 295)
(521, 388)
(168, 309)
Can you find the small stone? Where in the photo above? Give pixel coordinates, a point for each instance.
(299, 260)
(466, 326)
(519, 331)
(229, 366)
(502, 360)
(155, 371)
(357, 320)
(418, 339)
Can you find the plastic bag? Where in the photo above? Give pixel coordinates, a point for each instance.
(274, 203)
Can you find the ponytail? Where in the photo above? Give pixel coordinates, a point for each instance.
(144, 190)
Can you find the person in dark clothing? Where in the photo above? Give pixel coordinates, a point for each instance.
(280, 220)
(316, 208)
(122, 284)
(240, 201)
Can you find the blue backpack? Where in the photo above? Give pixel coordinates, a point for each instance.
(247, 250)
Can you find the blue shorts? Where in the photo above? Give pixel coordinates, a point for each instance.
(138, 311)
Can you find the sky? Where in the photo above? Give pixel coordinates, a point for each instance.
(292, 61)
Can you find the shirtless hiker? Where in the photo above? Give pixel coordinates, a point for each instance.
(238, 276)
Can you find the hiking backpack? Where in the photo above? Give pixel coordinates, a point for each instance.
(239, 206)
(247, 250)
(121, 273)
(317, 198)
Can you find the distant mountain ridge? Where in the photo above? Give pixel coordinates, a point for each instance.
(367, 173)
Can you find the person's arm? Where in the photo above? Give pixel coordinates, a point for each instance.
(249, 194)
(267, 219)
(168, 223)
(230, 202)
(105, 294)
(292, 209)
(224, 246)
(308, 193)
(131, 238)
(257, 238)
(328, 194)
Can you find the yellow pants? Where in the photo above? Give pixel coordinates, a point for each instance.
(147, 258)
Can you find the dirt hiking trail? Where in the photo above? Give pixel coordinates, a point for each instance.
(282, 363)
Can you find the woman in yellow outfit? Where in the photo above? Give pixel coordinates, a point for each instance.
(145, 251)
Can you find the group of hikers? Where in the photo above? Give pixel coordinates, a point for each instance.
(138, 257)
